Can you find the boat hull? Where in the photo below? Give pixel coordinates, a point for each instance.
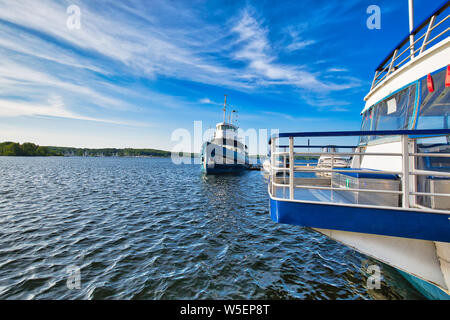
(397, 223)
(427, 289)
(224, 169)
(217, 159)
(395, 237)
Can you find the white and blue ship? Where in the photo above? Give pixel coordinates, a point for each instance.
(392, 202)
(225, 153)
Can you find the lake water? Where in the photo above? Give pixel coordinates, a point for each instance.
(141, 228)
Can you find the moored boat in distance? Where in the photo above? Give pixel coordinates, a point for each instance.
(393, 202)
(224, 153)
(328, 160)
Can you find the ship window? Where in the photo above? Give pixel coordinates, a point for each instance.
(395, 112)
(227, 127)
(391, 114)
(434, 106)
(442, 164)
(366, 125)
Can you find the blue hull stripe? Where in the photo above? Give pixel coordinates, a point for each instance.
(397, 223)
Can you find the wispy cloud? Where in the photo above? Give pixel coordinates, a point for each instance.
(299, 44)
(324, 103)
(205, 101)
(133, 63)
(16, 77)
(134, 38)
(262, 61)
(296, 42)
(291, 118)
(141, 48)
(53, 108)
(337, 70)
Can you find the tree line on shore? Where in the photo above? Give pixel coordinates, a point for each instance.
(25, 150)
(109, 152)
(32, 150)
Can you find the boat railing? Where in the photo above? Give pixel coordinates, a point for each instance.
(306, 181)
(430, 31)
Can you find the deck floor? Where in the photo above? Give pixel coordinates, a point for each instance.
(314, 195)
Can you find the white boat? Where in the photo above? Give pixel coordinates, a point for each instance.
(329, 160)
(266, 166)
(225, 153)
(393, 202)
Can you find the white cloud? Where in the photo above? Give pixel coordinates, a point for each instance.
(27, 44)
(145, 47)
(205, 101)
(324, 103)
(209, 101)
(42, 56)
(15, 76)
(298, 45)
(296, 41)
(53, 108)
(142, 48)
(262, 61)
(292, 118)
(337, 70)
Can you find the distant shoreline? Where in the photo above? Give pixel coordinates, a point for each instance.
(14, 149)
(27, 149)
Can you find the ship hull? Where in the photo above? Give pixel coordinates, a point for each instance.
(224, 169)
(411, 255)
(217, 159)
(427, 289)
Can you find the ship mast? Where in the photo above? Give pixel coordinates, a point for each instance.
(225, 109)
(411, 26)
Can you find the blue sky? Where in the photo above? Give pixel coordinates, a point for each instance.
(139, 69)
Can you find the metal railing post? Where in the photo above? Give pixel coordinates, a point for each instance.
(272, 171)
(291, 168)
(413, 178)
(374, 79)
(427, 35)
(405, 171)
(284, 173)
(332, 167)
(391, 65)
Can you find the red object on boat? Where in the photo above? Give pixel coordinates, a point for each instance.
(430, 83)
(447, 77)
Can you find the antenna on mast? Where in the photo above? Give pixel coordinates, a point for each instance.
(225, 109)
(231, 116)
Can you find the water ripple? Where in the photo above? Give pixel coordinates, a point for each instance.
(147, 229)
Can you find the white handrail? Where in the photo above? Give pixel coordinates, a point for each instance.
(391, 65)
(341, 189)
(291, 168)
(407, 191)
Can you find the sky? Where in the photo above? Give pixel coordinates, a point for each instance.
(137, 70)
